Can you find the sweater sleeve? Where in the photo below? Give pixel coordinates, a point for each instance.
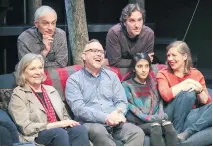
(137, 112)
(163, 86)
(22, 48)
(114, 53)
(131, 106)
(61, 54)
(149, 47)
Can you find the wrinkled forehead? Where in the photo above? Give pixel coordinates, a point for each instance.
(93, 45)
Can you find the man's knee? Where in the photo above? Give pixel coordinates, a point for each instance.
(131, 128)
(99, 135)
(132, 135)
(96, 129)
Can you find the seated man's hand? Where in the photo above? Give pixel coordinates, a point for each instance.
(110, 122)
(122, 118)
(47, 40)
(115, 117)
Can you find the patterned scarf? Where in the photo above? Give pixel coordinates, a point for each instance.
(51, 116)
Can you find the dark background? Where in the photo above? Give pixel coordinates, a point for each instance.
(171, 19)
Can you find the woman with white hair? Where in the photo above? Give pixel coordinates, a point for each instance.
(38, 109)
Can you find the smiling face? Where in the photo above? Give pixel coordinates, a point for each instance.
(93, 56)
(142, 70)
(34, 73)
(176, 60)
(46, 23)
(134, 23)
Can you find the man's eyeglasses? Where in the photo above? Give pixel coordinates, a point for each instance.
(93, 50)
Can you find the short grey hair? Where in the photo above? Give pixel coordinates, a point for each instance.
(90, 41)
(127, 11)
(87, 43)
(23, 64)
(42, 10)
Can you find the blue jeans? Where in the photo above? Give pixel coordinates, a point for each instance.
(6, 137)
(202, 138)
(199, 119)
(75, 136)
(6, 122)
(179, 108)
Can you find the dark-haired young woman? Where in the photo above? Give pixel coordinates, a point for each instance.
(145, 107)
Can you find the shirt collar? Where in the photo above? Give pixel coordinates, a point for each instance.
(26, 88)
(133, 79)
(39, 35)
(102, 71)
(90, 74)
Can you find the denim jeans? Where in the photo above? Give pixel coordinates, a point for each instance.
(75, 136)
(6, 137)
(5, 121)
(179, 108)
(199, 119)
(202, 138)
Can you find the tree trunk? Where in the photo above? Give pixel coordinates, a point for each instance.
(141, 3)
(33, 5)
(77, 27)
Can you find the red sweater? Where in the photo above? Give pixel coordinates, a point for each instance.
(166, 80)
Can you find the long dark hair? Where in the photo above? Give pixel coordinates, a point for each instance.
(139, 56)
(136, 58)
(150, 82)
